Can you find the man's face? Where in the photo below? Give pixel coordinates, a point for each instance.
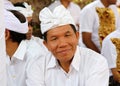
(62, 42)
(30, 31)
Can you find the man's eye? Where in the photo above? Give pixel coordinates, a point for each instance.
(53, 39)
(67, 35)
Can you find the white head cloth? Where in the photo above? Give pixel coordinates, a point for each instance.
(12, 23)
(60, 16)
(8, 5)
(27, 11)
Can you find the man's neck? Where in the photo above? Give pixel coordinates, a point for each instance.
(105, 3)
(11, 47)
(65, 3)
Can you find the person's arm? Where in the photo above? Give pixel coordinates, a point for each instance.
(116, 74)
(87, 40)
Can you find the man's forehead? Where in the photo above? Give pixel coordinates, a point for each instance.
(60, 29)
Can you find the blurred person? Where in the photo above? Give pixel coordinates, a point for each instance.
(27, 11)
(67, 64)
(111, 51)
(20, 52)
(91, 22)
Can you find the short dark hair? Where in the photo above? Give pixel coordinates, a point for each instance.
(19, 4)
(45, 34)
(15, 36)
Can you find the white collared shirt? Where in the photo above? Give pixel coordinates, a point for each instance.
(89, 21)
(26, 53)
(88, 68)
(109, 49)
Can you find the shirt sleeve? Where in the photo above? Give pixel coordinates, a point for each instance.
(35, 73)
(87, 20)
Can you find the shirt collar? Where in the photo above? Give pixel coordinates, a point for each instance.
(21, 50)
(75, 62)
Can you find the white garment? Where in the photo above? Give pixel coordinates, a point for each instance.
(109, 49)
(88, 68)
(2, 47)
(89, 21)
(52, 19)
(40, 43)
(73, 8)
(26, 53)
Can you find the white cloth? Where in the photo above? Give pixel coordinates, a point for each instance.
(40, 43)
(2, 47)
(73, 8)
(8, 5)
(89, 21)
(26, 53)
(51, 19)
(27, 11)
(109, 49)
(88, 68)
(12, 23)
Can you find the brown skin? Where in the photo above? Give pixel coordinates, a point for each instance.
(88, 42)
(30, 31)
(10, 50)
(87, 36)
(106, 3)
(65, 2)
(116, 74)
(62, 42)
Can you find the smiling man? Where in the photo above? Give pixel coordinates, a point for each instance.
(66, 64)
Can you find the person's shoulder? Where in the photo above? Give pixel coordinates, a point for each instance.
(34, 49)
(75, 5)
(91, 55)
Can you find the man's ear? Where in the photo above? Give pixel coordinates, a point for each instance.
(45, 43)
(77, 35)
(7, 34)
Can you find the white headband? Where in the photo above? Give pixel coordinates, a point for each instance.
(8, 5)
(60, 16)
(13, 24)
(27, 11)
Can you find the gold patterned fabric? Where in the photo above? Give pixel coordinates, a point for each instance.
(116, 42)
(106, 22)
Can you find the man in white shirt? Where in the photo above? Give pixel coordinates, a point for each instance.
(20, 52)
(67, 64)
(27, 11)
(89, 22)
(111, 53)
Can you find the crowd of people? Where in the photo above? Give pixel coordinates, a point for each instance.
(79, 47)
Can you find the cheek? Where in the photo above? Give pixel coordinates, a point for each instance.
(52, 46)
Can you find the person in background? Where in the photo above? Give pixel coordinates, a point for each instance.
(19, 52)
(27, 11)
(111, 51)
(72, 7)
(94, 26)
(67, 64)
